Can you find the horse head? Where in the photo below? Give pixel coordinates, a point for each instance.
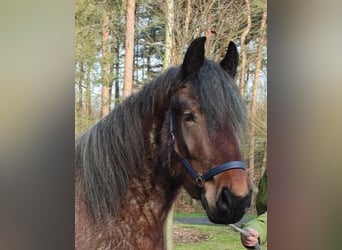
(202, 134)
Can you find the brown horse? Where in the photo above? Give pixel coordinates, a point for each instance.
(181, 129)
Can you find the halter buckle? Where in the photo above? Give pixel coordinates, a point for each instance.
(200, 180)
(172, 138)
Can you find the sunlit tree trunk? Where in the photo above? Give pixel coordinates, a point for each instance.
(129, 48)
(243, 53)
(168, 233)
(105, 92)
(208, 34)
(117, 73)
(187, 17)
(168, 32)
(169, 27)
(88, 93)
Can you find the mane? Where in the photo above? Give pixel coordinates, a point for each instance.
(110, 153)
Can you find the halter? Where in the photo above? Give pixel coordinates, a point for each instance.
(198, 177)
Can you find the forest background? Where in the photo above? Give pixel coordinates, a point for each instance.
(121, 45)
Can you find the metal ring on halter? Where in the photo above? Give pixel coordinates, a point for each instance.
(200, 180)
(172, 138)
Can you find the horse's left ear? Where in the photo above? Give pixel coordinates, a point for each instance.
(194, 57)
(230, 62)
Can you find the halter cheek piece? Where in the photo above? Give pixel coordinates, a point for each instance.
(198, 177)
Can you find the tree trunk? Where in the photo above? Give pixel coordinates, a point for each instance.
(117, 74)
(264, 160)
(105, 92)
(208, 34)
(167, 61)
(168, 229)
(253, 108)
(129, 48)
(168, 32)
(187, 17)
(88, 94)
(79, 105)
(243, 63)
(148, 64)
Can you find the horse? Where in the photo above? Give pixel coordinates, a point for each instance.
(182, 129)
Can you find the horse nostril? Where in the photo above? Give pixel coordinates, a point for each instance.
(224, 200)
(229, 207)
(228, 200)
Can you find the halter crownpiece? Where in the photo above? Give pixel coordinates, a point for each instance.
(198, 177)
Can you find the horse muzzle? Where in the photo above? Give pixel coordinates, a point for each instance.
(229, 208)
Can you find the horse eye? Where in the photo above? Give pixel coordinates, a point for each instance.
(189, 117)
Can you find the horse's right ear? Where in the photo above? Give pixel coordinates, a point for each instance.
(194, 57)
(231, 60)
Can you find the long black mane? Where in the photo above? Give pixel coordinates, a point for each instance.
(110, 153)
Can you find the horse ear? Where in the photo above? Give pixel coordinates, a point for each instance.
(230, 62)
(194, 57)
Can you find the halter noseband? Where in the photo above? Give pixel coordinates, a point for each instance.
(198, 177)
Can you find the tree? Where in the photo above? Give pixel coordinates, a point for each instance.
(254, 101)
(106, 79)
(169, 27)
(79, 104)
(88, 25)
(243, 47)
(159, 33)
(129, 48)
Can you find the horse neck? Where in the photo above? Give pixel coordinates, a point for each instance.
(139, 224)
(141, 220)
(149, 198)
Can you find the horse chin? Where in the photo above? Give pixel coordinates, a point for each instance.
(228, 216)
(224, 218)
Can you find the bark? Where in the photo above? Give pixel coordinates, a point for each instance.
(187, 17)
(168, 32)
(79, 106)
(105, 92)
(88, 94)
(148, 64)
(264, 160)
(117, 74)
(168, 229)
(129, 48)
(243, 56)
(208, 34)
(167, 61)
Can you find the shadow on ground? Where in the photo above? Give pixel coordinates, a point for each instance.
(204, 220)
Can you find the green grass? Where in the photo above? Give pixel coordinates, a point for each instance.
(189, 215)
(220, 237)
(201, 215)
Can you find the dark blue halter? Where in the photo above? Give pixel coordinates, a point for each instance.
(198, 177)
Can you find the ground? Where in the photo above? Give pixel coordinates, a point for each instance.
(185, 235)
